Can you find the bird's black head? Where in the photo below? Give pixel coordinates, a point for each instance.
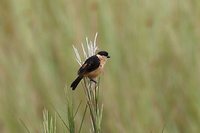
(103, 53)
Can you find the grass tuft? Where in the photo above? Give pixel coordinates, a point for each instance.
(49, 123)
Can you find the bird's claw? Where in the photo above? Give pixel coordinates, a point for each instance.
(93, 81)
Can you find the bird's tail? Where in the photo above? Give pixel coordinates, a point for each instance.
(76, 82)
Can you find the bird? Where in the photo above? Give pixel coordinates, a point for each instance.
(91, 68)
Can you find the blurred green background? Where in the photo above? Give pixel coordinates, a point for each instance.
(151, 82)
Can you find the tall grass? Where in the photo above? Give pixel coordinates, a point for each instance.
(93, 103)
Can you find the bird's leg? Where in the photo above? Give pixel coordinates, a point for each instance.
(93, 81)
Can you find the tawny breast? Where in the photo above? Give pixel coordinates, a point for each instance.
(94, 73)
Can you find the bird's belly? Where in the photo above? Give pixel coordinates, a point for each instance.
(94, 73)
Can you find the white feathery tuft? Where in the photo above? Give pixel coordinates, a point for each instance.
(89, 49)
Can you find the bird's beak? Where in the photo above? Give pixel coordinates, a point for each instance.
(108, 56)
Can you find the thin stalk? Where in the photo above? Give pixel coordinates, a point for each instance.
(83, 118)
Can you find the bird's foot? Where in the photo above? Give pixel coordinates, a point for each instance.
(93, 81)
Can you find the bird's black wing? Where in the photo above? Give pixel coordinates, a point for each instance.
(91, 64)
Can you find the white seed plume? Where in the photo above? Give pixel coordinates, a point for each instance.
(89, 49)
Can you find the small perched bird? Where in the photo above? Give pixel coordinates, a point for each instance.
(91, 68)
